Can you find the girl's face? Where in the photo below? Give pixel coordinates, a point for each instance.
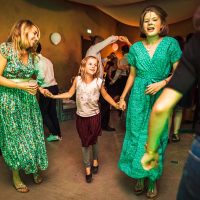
(91, 66)
(152, 24)
(33, 36)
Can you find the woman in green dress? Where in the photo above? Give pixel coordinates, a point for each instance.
(21, 129)
(151, 61)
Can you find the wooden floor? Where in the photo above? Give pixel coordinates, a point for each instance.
(64, 179)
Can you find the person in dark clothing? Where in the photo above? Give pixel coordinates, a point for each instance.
(187, 73)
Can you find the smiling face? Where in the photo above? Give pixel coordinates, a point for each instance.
(33, 36)
(91, 66)
(152, 24)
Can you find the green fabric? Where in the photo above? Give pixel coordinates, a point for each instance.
(148, 70)
(21, 128)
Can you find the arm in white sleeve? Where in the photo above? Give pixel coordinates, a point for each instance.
(117, 74)
(101, 45)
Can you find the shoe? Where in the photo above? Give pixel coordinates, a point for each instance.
(37, 178)
(52, 138)
(175, 138)
(88, 178)
(21, 188)
(95, 169)
(152, 192)
(108, 128)
(139, 187)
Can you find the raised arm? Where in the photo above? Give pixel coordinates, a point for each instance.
(101, 45)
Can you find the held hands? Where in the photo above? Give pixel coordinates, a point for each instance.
(122, 104)
(154, 88)
(46, 93)
(149, 161)
(29, 87)
(124, 39)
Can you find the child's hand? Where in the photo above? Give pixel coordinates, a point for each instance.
(47, 93)
(117, 106)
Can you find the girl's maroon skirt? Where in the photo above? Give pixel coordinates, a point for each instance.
(89, 128)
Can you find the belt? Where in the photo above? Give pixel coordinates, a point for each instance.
(20, 80)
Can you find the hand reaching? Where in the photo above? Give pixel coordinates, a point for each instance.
(47, 93)
(124, 39)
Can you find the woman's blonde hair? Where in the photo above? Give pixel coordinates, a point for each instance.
(162, 15)
(83, 64)
(19, 35)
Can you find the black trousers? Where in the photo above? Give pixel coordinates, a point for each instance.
(105, 112)
(48, 110)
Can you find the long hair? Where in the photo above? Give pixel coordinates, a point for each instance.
(83, 65)
(162, 15)
(19, 35)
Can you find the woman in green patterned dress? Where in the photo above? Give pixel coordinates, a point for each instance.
(151, 59)
(21, 129)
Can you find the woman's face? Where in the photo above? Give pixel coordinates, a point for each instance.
(91, 66)
(152, 24)
(33, 36)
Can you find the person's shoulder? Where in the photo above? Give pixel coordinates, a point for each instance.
(134, 46)
(169, 39)
(44, 58)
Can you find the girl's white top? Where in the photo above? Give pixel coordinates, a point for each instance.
(87, 97)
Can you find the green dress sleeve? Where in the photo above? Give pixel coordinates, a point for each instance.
(131, 57)
(4, 50)
(40, 76)
(175, 51)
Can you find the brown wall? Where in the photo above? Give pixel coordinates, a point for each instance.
(71, 21)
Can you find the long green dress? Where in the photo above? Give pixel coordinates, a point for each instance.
(148, 70)
(21, 128)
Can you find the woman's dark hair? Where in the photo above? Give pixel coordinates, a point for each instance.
(196, 19)
(39, 48)
(161, 13)
(180, 41)
(125, 49)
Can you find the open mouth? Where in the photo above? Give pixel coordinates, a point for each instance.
(150, 29)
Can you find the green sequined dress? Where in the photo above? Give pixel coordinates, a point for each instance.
(21, 128)
(148, 70)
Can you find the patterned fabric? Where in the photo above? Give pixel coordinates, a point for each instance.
(87, 97)
(148, 70)
(21, 129)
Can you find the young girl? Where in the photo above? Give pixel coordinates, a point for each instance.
(88, 123)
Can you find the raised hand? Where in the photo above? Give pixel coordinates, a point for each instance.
(124, 39)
